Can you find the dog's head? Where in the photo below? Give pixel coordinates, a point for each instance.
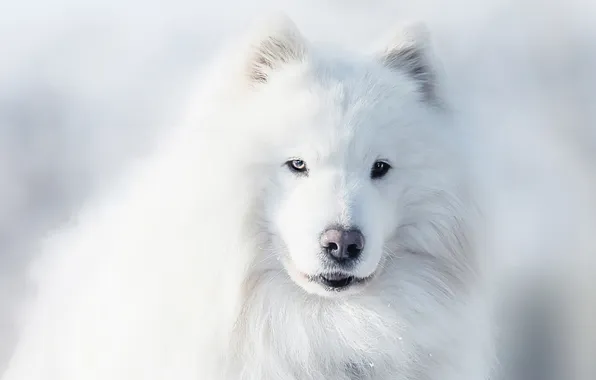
(349, 152)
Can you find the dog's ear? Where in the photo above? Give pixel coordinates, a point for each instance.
(408, 51)
(277, 42)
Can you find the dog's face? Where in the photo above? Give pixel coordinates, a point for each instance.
(337, 204)
(345, 154)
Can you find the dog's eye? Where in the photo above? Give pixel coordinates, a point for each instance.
(297, 166)
(379, 169)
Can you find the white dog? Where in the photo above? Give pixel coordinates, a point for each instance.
(313, 225)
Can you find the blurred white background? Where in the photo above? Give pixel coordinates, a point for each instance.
(85, 85)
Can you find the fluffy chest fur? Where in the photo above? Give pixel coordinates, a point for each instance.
(284, 333)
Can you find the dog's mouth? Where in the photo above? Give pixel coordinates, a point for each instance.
(328, 283)
(337, 281)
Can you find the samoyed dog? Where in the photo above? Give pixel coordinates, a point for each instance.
(312, 222)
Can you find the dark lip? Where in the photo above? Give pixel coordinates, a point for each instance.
(338, 281)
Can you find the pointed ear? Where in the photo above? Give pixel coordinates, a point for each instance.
(409, 52)
(277, 42)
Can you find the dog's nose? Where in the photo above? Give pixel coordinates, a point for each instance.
(342, 246)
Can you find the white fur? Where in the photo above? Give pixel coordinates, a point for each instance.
(194, 267)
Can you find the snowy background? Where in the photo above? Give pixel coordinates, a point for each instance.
(85, 86)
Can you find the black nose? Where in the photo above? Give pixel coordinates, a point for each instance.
(342, 246)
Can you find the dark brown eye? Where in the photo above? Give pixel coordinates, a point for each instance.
(297, 166)
(379, 169)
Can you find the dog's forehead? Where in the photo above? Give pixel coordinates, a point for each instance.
(353, 118)
(342, 115)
